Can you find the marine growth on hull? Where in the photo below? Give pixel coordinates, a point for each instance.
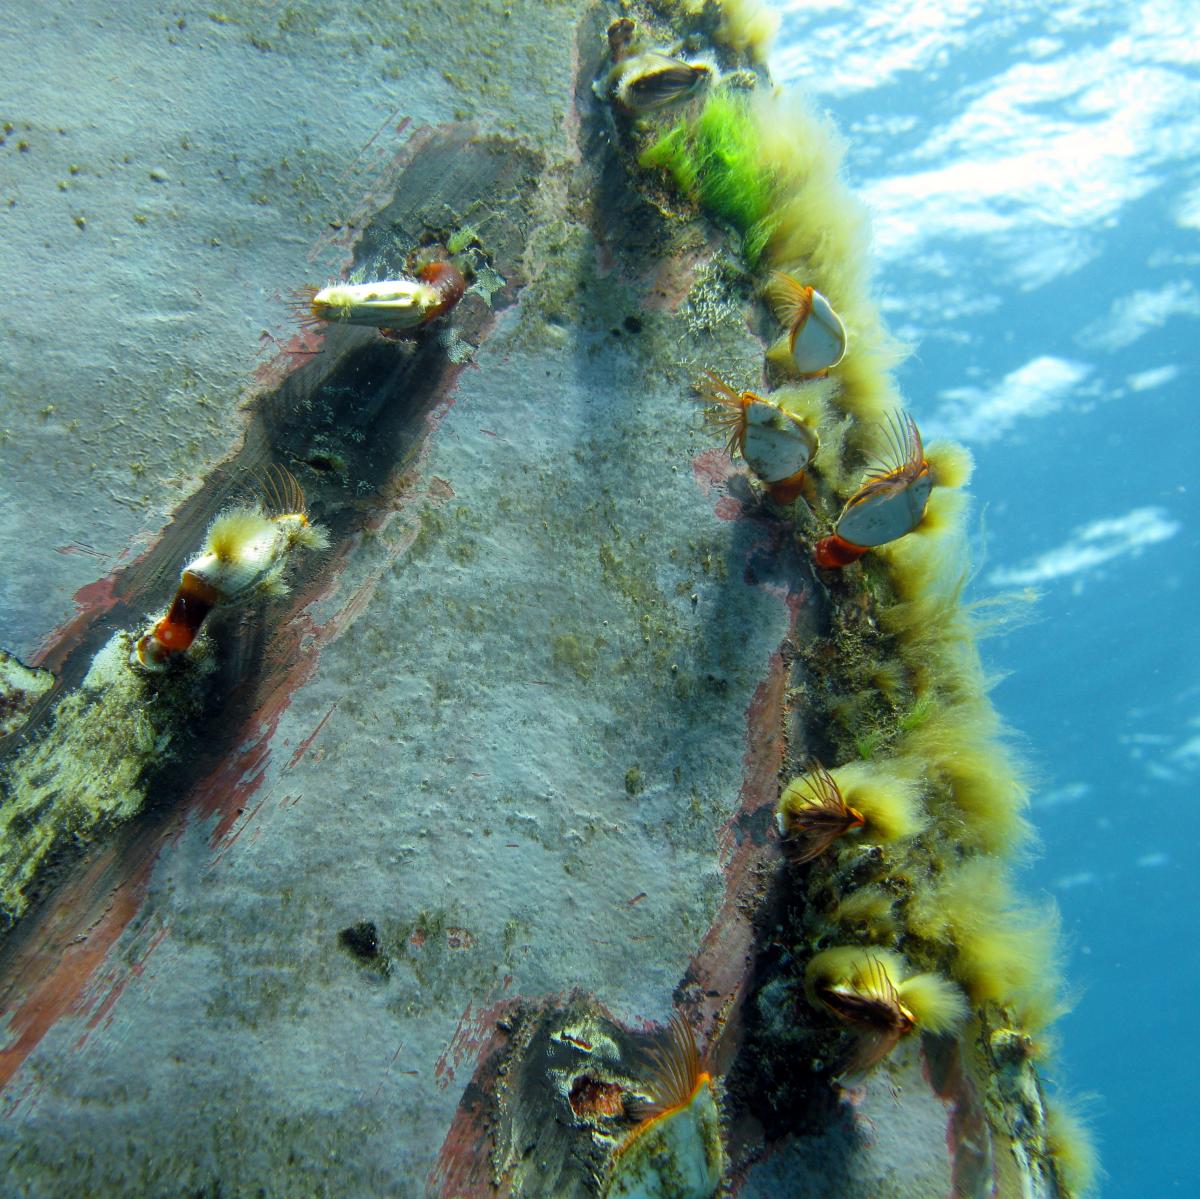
(899, 834)
(888, 930)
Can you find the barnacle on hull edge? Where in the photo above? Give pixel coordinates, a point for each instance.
(676, 1150)
(867, 989)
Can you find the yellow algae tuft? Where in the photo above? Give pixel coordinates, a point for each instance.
(985, 794)
(749, 27)
(744, 26)
(1004, 951)
(237, 531)
(869, 911)
(936, 1003)
(887, 795)
(951, 462)
(1072, 1149)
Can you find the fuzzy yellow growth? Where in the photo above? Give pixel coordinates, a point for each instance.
(868, 391)
(1069, 1143)
(811, 404)
(746, 26)
(234, 530)
(869, 913)
(936, 634)
(951, 463)
(820, 224)
(887, 796)
(934, 1002)
(959, 745)
(1005, 952)
(310, 536)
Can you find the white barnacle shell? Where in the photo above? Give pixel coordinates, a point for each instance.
(820, 341)
(386, 304)
(816, 338)
(776, 444)
(246, 551)
(679, 1155)
(882, 514)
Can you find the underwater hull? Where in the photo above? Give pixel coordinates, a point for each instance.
(506, 756)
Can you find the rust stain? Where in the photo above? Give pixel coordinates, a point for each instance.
(306, 744)
(729, 507)
(968, 1133)
(474, 1030)
(712, 469)
(468, 1036)
(91, 603)
(675, 275)
(291, 355)
(78, 547)
(117, 982)
(463, 1169)
(718, 972)
(75, 938)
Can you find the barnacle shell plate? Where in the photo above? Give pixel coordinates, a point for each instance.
(885, 515)
(654, 80)
(777, 445)
(388, 304)
(820, 341)
(677, 1156)
(257, 562)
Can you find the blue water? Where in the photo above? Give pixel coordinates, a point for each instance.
(1035, 183)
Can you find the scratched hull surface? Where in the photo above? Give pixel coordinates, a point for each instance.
(506, 728)
(513, 690)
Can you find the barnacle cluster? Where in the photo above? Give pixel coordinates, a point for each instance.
(903, 835)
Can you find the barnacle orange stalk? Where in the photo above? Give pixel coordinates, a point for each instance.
(678, 1136)
(890, 503)
(813, 814)
(776, 444)
(244, 554)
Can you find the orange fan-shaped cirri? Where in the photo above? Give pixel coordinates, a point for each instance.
(677, 1140)
(890, 503)
(813, 814)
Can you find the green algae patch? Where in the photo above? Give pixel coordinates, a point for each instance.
(717, 160)
(89, 770)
